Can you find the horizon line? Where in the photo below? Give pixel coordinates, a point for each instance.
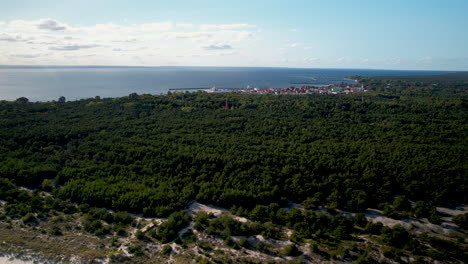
(187, 66)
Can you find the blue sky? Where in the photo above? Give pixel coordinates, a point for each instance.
(391, 34)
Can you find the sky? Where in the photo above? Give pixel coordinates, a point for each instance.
(374, 34)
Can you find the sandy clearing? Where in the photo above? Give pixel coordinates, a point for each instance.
(13, 260)
(195, 207)
(185, 229)
(463, 209)
(375, 216)
(420, 225)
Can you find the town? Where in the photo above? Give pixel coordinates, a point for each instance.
(342, 88)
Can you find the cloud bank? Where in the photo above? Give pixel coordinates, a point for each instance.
(155, 43)
(49, 41)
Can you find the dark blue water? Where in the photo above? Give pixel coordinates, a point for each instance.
(45, 84)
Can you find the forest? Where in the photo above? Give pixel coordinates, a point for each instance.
(154, 154)
(406, 140)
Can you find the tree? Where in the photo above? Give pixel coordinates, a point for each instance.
(396, 236)
(29, 218)
(22, 100)
(259, 213)
(292, 250)
(55, 231)
(262, 247)
(401, 203)
(61, 99)
(168, 230)
(461, 220)
(46, 185)
(244, 242)
(166, 250)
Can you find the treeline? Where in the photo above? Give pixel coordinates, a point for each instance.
(154, 154)
(450, 84)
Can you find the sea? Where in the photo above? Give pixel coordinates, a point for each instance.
(48, 83)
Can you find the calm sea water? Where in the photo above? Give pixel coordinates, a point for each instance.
(45, 84)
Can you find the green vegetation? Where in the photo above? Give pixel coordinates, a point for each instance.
(292, 250)
(461, 220)
(168, 230)
(400, 149)
(144, 154)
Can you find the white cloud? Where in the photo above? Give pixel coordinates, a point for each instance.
(294, 30)
(9, 38)
(344, 60)
(116, 29)
(184, 25)
(186, 35)
(217, 54)
(125, 40)
(308, 48)
(311, 59)
(120, 44)
(226, 26)
(50, 24)
(126, 50)
(295, 45)
(25, 56)
(393, 61)
(381, 61)
(217, 47)
(207, 36)
(164, 26)
(424, 60)
(73, 47)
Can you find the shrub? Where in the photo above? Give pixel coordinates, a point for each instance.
(461, 220)
(364, 259)
(374, 229)
(292, 250)
(360, 220)
(102, 231)
(229, 242)
(120, 230)
(168, 230)
(262, 247)
(84, 208)
(244, 242)
(91, 225)
(140, 235)
(123, 218)
(55, 231)
(421, 209)
(397, 237)
(46, 185)
(434, 217)
(204, 245)
(135, 250)
(29, 218)
(166, 250)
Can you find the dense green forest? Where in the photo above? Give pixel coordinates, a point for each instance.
(400, 148)
(154, 154)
